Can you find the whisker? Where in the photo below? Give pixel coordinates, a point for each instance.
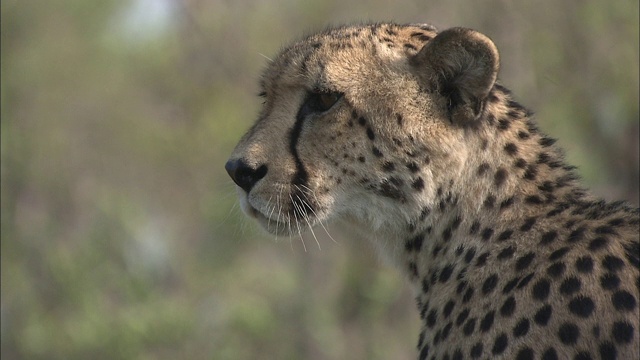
(265, 56)
(269, 217)
(306, 218)
(314, 212)
(297, 223)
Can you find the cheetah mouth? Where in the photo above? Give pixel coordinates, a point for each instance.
(276, 222)
(281, 219)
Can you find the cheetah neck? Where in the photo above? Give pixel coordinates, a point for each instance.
(513, 172)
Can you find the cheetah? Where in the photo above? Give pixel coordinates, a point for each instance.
(404, 133)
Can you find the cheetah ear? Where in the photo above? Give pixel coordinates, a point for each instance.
(462, 65)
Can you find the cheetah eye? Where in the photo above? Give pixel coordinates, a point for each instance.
(321, 101)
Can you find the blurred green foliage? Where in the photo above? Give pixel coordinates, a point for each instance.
(121, 237)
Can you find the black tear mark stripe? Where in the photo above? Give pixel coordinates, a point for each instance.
(301, 177)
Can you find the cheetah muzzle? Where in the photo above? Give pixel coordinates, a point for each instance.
(404, 133)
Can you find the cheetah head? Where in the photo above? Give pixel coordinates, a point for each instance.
(358, 120)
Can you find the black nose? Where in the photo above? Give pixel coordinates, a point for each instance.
(243, 174)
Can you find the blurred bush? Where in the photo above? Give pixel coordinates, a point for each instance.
(121, 236)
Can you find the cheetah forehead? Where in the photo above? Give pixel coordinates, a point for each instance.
(304, 63)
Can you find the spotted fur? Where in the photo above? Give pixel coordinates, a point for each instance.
(438, 164)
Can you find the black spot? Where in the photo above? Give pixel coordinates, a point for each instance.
(608, 351)
(531, 172)
(487, 321)
(409, 46)
(632, 253)
(361, 159)
(388, 166)
(581, 306)
(425, 285)
(546, 186)
(533, 199)
(570, 286)
(506, 253)
(431, 318)
(548, 237)
(623, 301)
(474, 228)
(543, 315)
(511, 149)
(457, 355)
(414, 244)
(584, 264)
(424, 213)
(370, 134)
(482, 259)
(486, 234)
(461, 286)
(521, 328)
(489, 201)
(462, 317)
(469, 255)
(525, 280)
(362, 121)
(568, 333)
(413, 167)
(446, 234)
(500, 344)
(436, 338)
(543, 158)
(597, 243)
(445, 274)
(550, 354)
(540, 290)
(506, 203)
(500, 177)
(456, 223)
(413, 269)
(418, 184)
(525, 354)
(483, 168)
(558, 254)
(520, 163)
(503, 124)
(582, 355)
(445, 331)
(546, 141)
(376, 151)
(556, 269)
(469, 326)
(523, 135)
(609, 281)
(612, 263)
(510, 285)
(489, 284)
(604, 230)
(505, 235)
(476, 351)
(524, 261)
(424, 353)
(508, 307)
(622, 332)
(558, 210)
(577, 234)
(468, 295)
(528, 224)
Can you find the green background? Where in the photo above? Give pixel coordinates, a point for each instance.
(121, 234)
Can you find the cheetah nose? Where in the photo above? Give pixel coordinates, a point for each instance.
(243, 174)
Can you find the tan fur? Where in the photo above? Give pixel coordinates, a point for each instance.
(427, 155)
